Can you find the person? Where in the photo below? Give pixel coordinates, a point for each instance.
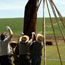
(24, 46)
(36, 50)
(24, 50)
(5, 38)
(13, 45)
(10, 52)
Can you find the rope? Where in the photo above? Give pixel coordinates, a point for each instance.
(60, 16)
(54, 32)
(57, 20)
(43, 29)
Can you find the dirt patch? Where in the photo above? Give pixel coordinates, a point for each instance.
(48, 37)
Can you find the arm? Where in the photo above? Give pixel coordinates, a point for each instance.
(8, 38)
(33, 37)
(42, 44)
(20, 39)
(10, 31)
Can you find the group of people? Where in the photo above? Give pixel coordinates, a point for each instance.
(25, 52)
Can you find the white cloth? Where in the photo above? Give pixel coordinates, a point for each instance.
(10, 51)
(4, 46)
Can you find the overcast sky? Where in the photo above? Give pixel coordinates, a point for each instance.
(15, 8)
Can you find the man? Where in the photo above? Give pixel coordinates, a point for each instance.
(4, 57)
(36, 50)
(24, 49)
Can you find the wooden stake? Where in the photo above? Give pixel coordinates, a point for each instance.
(43, 29)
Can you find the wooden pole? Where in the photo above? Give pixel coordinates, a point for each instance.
(39, 4)
(54, 35)
(60, 16)
(43, 29)
(57, 20)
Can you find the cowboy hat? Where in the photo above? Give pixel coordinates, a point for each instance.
(13, 44)
(39, 38)
(25, 38)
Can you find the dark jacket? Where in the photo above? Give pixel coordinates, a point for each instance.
(24, 48)
(36, 49)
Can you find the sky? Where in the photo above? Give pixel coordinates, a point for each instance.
(16, 8)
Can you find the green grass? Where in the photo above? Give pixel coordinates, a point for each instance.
(15, 23)
(49, 27)
(52, 62)
(51, 52)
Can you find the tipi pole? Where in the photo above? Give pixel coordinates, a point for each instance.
(43, 30)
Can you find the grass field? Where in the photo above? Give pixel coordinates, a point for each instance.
(52, 62)
(17, 25)
(51, 54)
(51, 51)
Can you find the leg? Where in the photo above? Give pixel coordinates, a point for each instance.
(33, 60)
(38, 62)
(5, 60)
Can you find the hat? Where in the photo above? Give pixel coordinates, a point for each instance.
(13, 44)
(39, 38)
(25, 38)
(3, 35)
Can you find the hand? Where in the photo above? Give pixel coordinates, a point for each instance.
(33, 33)
(7, 27)
(22, 33)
